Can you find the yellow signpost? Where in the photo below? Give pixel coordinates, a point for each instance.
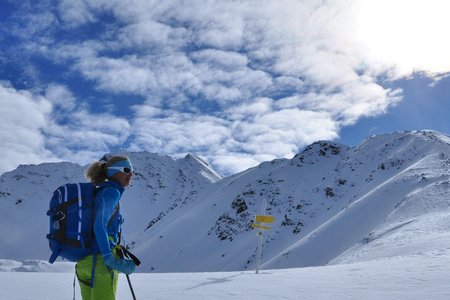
(260, 220)
(254, 225)
(264, 219)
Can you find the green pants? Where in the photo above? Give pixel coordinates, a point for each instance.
(105, 279)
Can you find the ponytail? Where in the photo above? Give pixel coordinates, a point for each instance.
(97, 171)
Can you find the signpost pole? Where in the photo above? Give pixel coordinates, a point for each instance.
(258, 255)
(260, 240)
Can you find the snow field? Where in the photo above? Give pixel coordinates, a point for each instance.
(424, 276)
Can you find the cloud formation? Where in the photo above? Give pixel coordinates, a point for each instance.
(237, 82)
(23, 116)
(36, 129)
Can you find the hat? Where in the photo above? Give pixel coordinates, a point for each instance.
(114, 168)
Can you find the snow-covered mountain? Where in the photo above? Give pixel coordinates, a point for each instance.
(160, 185)
(332, 203)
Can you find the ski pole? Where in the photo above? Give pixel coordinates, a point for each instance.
(131, 287)
(123, 252)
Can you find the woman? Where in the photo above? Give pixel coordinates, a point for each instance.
(98, 273)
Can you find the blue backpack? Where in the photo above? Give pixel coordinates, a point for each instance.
(71, 221)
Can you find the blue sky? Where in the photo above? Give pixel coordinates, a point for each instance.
(235, 82)
(423, 107)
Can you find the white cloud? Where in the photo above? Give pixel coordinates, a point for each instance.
(23, 116)
(37, 128)
(83, 136)
(129, 74)
(253, 80)
(60, 96)
(92, 131)
(76, 12)
(234, 162)
(177, 133)
(251, 133)
(148, 33)
(281, 133)
(239, 43)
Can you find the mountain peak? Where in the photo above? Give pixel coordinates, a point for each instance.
(200, 166)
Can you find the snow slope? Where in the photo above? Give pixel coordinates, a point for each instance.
(409, 277)
(356, 221)
(160, 184)
(326, 200)
(332, 204)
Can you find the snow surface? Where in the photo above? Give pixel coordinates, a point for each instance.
(410, 277)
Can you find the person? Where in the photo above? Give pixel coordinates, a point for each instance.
(98, 272)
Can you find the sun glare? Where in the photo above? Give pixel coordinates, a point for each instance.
(411, 34)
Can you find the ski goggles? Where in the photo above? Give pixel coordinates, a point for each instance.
(123, 166)
(126, 170)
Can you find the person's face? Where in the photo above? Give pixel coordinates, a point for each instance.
(122, 178)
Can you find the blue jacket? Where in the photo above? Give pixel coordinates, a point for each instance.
(106, 202)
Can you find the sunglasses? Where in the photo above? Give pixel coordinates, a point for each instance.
(125, 170)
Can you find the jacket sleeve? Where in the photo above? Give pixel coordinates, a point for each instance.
(106, 201)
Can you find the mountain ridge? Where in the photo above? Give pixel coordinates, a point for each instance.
(184, 216)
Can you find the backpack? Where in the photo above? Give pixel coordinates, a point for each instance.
(71, 221)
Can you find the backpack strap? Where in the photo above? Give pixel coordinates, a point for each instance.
(94, 260)
(54, 256)
(114, 215)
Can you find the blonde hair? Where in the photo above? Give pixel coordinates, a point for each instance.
(96, 172)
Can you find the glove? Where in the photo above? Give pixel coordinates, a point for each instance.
(126, 266)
